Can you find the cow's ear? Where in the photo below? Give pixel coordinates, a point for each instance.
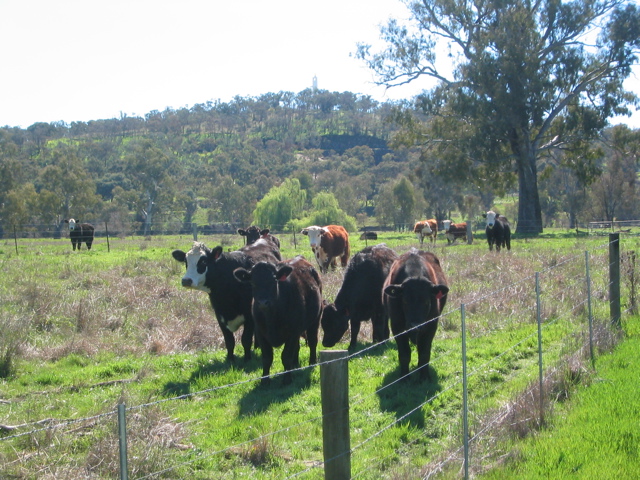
(264, 232)
(216, 252)
(484, 215)
(394, 291)
(323, 231)
(284, 272)
(242, 232)
(242, 275)
(305, 231)
(179, 255)
(66, 221)
(441, 291)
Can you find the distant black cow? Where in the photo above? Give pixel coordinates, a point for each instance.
(80, 232)
(253, 233)
(415, 294)
(360, 297)
(287, 304)
(212, 272)
(369, 236)
(498, 231)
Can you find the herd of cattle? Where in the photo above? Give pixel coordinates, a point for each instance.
(279, 301)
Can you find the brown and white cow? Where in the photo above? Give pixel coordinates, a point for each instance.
(454, 231)
(328, 243)
(426, 228)
(415, 292)
(80, 232)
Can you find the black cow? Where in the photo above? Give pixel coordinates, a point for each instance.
(253, 233)
(498, 231)
(287, 304)
(415, 293)
(360, 297)
(212, 272)
(80, 232)
(369, 236)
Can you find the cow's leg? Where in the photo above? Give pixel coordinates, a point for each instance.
(424, 350)
(404, 353)
(89, 243)
(247, 338)
(267, 361)
(229, 341)
(290, 358)
(312, 341)
(380, 325)
(355, 329)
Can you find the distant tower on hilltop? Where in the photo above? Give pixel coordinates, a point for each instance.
(314, 85)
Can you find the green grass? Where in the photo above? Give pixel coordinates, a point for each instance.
(87, 330)
(595, 434)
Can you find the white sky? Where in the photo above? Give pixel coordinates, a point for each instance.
(80, 60)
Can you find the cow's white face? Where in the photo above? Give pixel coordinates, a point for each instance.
(72, 224)
(446, 224)
(491, 218)
(315, 235)
(197, 262)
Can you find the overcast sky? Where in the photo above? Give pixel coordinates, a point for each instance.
(80, 60)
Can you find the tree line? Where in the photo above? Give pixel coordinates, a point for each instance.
(341, 159)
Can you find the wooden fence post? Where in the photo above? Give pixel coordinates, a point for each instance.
(614, 278)
(334, 391)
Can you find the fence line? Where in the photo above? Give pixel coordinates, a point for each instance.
(477, 370)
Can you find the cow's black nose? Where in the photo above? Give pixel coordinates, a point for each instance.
(187, 282)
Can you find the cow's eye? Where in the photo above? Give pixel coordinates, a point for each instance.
(201, 266)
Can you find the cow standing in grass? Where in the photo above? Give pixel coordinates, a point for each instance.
(80, 232)
(328, 244)
(426, 228)
(415, 293)
(211, 271)
(287, 305)
(454, 231)
(253, 233)
(498, 231)
(360, 297)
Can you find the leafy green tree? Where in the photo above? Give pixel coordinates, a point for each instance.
(19, 205)
(148, 165)
(66, 185)
(281, 204)
(404, 196)
(527, 78)
(233, 203)
(326, 211)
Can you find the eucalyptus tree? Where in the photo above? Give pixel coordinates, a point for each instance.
(511, 81)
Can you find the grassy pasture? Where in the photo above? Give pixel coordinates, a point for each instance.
(82, 331)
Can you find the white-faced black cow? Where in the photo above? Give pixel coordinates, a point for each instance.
(360, 297)
(498, 230)
(80, 232)
(287, 304)
(415, 293)
(253, 233)
(328, 243)
(211, 271)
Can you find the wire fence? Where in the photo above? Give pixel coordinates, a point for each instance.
(507, 394)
